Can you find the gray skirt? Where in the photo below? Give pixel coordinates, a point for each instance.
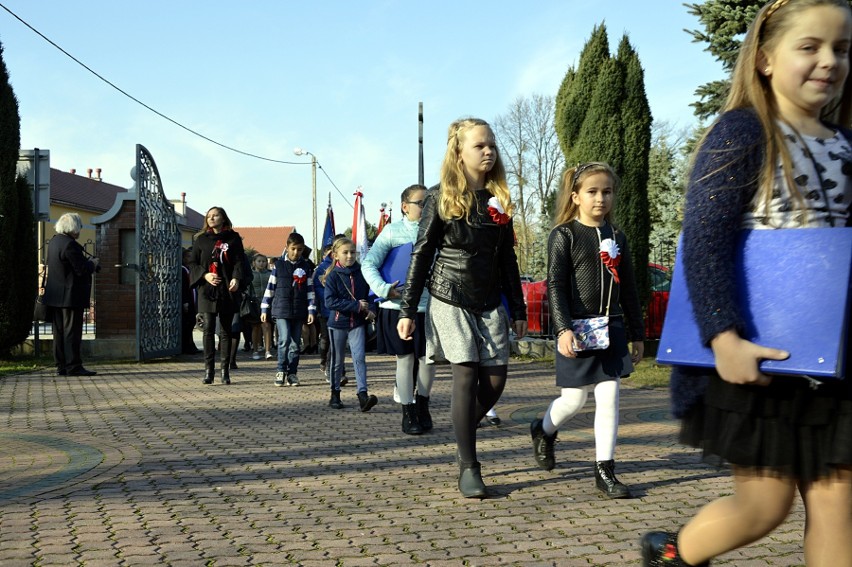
(594, 366)
(455, 335)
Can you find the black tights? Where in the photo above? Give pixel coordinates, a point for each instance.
(475, 391)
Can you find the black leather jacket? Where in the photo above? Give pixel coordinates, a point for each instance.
(578, 286)
(475, 261)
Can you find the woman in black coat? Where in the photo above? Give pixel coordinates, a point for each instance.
(216, 268)
(68, 292)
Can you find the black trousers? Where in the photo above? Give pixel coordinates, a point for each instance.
(209, 338)
(67, 338)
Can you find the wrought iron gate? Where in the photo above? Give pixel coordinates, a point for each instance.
(158, 245)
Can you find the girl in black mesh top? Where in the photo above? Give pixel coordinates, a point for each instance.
(589, 274)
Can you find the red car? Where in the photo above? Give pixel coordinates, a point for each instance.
(538, 308)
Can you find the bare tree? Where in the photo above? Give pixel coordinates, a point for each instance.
(533, 159)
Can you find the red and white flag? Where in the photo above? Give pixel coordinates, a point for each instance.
(359, 226)
(384, 218)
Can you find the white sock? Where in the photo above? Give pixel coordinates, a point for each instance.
(606, 419)
(492, 412)
(564, 408)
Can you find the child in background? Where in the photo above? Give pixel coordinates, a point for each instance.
(589, 274)
(289, 298)
(779, 156)
(323, 340)
(263, 329)
(410, 355)
(347, 298)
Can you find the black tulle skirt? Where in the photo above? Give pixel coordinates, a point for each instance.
(786, 428)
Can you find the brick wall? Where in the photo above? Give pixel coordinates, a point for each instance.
(115, 301)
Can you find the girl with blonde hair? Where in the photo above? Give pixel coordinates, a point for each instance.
(465, 249)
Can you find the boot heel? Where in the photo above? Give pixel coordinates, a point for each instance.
(470, 481)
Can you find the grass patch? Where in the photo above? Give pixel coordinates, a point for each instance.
(20, 363)
(648, 374)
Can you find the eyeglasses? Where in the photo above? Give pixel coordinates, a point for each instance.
(418, 203)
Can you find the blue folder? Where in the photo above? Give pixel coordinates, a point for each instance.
(395, 266)
(793, 290)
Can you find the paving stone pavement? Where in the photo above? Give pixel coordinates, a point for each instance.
(142, 465)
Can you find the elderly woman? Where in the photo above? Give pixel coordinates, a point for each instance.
(67, 291)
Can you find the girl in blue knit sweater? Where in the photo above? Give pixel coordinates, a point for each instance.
(778, 157)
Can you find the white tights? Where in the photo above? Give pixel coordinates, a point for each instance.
(403, 392)
(572, 400)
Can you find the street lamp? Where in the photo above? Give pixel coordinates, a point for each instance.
(301, 152)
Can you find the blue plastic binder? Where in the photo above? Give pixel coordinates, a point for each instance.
(395, 266)
(793, 290)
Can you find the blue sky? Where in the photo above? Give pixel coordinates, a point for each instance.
(341, 79)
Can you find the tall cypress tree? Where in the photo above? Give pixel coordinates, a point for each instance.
(575, 94)
(632, 205)
(606, 97)
(18, 253)
(600, 135)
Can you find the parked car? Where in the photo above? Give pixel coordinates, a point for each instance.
(538, 308)
(660, 279)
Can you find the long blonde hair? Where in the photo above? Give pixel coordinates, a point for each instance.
(335, 247)
(751, 89)
(456, 198)
(572, 181)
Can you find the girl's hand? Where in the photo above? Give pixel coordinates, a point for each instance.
(638, 351)
(363, 305)
(737, 359)
(263, 317)
(405, 327)
(565, 344)
(234, 285)
(520, 328)
(212, 278)
(310, 319)
(394, 292)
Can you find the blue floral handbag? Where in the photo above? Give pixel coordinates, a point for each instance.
(591, 334)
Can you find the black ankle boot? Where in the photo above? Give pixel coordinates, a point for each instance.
(423, 415)
(410, 421)
(366, 400)
(607, 483)
(470, 481)
(659, 549)
(209, 374)
(542, 445)
(335, 402)
(226, 375)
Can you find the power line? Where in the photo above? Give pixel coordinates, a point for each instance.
(160, 114)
